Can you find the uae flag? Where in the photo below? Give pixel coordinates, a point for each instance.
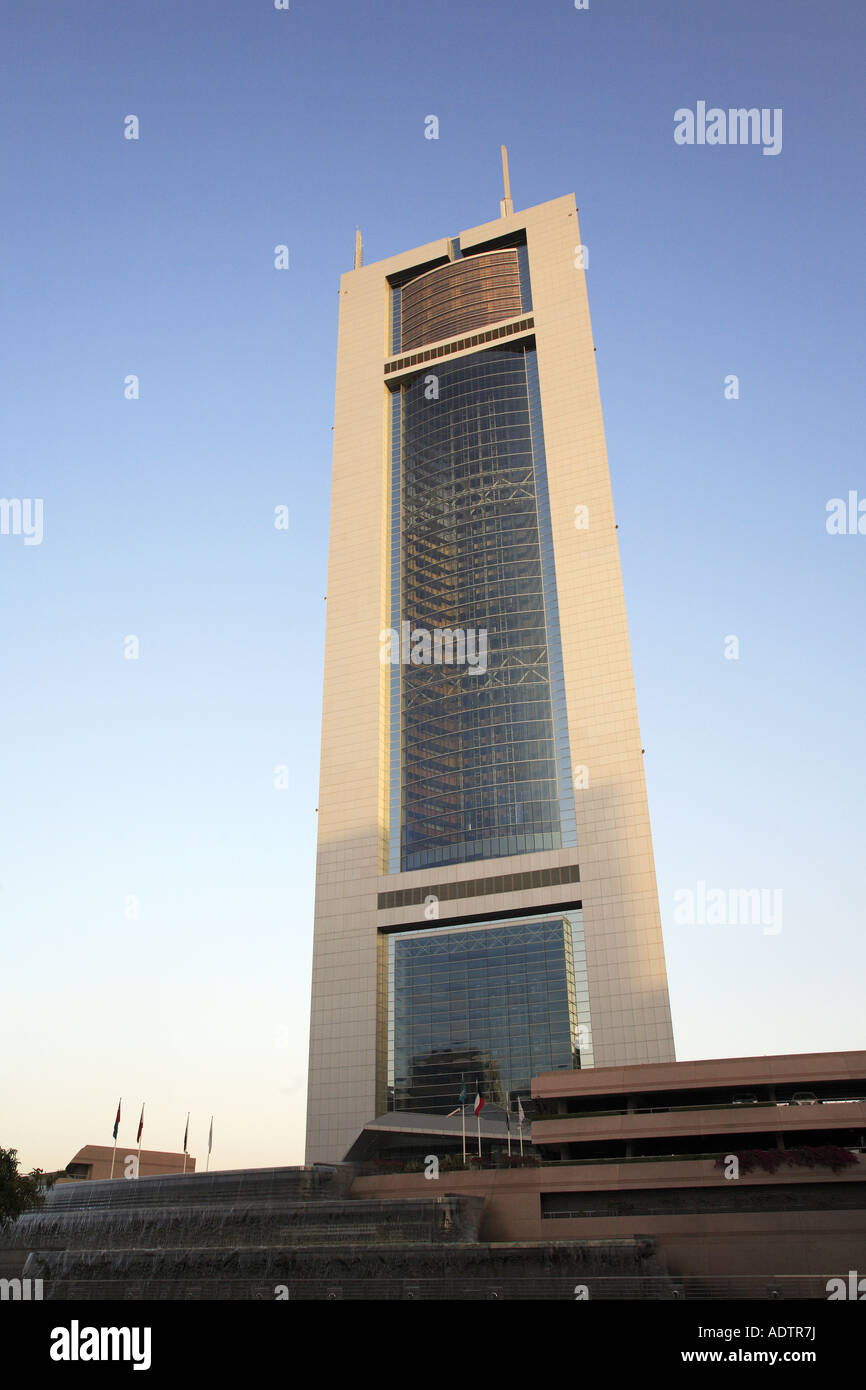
(117, 1120)
(479, 1101)
(186, 1134)
(140, 1127)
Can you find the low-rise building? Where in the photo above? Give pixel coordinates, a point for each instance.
(94, 1161)
(747, 1173)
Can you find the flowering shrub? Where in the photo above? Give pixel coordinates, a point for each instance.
(771, 1160)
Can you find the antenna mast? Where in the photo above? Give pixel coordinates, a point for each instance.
(506, 206)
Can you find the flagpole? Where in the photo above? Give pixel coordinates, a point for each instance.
(140, 1130)
(478, 1119)
(185, 1138)
(116, 1124)
(520, 1123)
(209, 1144)
(463, 1112)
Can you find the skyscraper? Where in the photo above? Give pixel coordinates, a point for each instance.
(486, 903)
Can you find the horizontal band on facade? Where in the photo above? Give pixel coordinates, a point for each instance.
(472, 919)
(505, 330)
(480, 887)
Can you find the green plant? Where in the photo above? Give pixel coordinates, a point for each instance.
(20, 1192)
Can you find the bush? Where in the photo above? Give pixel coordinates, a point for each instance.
(771, 1160)
(20, 1192)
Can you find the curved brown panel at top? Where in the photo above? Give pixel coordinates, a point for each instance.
(459, 296)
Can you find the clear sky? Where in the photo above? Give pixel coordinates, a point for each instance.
(148, 786)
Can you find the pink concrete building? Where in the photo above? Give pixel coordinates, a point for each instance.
(706, 1158)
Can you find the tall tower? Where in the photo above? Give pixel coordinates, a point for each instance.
(486, 902)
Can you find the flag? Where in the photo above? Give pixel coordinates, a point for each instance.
(520, 1112)
(507, 1114)
(462, 1100)
(140, 1127)
(479, 1100)
(117, 1119)
(186, 1132)
(210, 1136)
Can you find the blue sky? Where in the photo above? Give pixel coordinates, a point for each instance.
(148, 786)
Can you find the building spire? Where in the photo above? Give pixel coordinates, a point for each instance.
(358, 256)
(506, 206)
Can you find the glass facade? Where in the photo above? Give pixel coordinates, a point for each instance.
(495, 1004)
(523, 272)
(459, 296)
(396, 318)
(480, 290)
(480, 763)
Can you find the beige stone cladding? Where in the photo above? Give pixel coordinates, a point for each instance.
(630, 1012)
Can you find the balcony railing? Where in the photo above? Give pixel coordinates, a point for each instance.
(714, 1105)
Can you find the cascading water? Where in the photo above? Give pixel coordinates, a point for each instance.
(295, 1233)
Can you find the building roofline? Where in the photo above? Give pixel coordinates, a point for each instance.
(708, 1071)
(470, 237)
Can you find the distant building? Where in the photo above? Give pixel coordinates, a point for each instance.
(94, 1162)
